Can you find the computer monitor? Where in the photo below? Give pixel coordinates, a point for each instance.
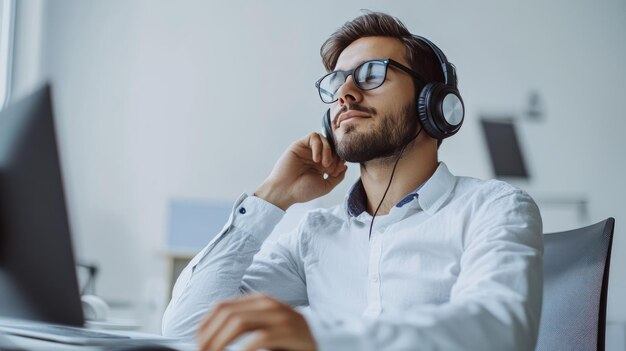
(37, 269)
(504, 149)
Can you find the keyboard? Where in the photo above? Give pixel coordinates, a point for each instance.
(63, 334)
(77, 335)
(71, 331)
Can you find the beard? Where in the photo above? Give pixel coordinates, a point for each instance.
(394, 131)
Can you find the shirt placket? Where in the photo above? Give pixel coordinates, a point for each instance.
(374, 308)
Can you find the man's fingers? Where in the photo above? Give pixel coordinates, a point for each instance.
(239, 323)
(334, 179)
(280, 337)
(327, 156)
(321, 152)
(209, 320)
(316, 145)
(274, 325)
(210, 328)
(263, 339)
(338, 166)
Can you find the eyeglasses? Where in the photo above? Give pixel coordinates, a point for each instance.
(367, 76)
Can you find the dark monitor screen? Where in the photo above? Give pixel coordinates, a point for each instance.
(37, 269)
(504, 149)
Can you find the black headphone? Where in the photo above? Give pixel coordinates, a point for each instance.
(439, 106)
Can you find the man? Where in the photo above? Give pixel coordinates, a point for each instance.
(415, 258)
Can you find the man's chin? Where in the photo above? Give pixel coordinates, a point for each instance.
(354, 150)
(353, 155)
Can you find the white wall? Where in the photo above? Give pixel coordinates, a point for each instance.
(28, 47)
(197, 99)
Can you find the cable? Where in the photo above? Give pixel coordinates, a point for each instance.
(390, 179)
(90, 284)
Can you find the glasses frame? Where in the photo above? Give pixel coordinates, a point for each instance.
(386, 62)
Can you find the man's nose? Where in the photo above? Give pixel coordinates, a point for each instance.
(349, 93)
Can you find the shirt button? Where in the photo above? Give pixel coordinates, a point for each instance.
(374, 279)
(242, 210)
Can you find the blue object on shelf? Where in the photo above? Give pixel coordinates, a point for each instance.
(193, 223)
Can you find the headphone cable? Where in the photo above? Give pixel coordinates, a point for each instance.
(393, 171)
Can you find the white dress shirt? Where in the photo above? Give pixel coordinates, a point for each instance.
(456, 266)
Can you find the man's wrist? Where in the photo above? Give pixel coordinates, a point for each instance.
(272, 195)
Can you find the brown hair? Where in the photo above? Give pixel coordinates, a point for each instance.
(419, 55)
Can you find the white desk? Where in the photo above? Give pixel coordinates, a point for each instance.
(24, 343)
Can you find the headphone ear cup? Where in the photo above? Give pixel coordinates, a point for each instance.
(431, 111)
(328, 130)
(424, 111)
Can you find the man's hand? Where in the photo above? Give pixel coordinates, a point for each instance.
(276, 325)
(298, 176)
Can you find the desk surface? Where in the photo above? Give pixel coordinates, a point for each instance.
(24, 343)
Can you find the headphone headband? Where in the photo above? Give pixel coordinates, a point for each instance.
(440, 107)
(449, 72)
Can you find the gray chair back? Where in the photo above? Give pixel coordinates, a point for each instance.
(576, 278)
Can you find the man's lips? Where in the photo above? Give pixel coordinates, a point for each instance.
(349, 115)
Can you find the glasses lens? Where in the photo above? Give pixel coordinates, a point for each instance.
(330, 84)
(370, 75)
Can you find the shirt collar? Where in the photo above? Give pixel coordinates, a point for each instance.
(431, 197)
(437, 189)
(355, 200)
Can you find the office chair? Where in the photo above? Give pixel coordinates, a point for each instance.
(576, 279)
